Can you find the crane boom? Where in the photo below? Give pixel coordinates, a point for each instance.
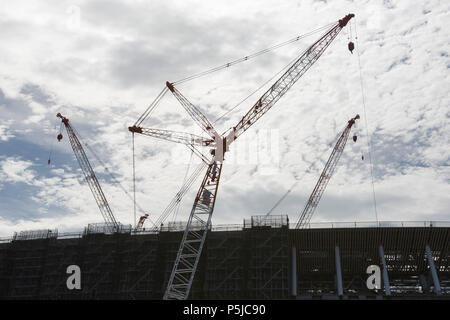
(193, 111)
(90, 176)
(325, 177)
(174, 136)
(189, 252)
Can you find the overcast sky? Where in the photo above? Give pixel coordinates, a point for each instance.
(101, 63)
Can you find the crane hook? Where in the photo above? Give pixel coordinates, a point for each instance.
(59, 137)
(355, 137)
(351, 47)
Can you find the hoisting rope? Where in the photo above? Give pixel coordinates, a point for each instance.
(179, 195)
(53, 142)
(177, 207)
(113, 178)
(151, 107)
(367, 128)
(253, 55)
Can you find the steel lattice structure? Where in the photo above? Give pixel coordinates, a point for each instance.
(259, 259)
(190, 249)
(325, 176)
(90, 177)
(193, 239)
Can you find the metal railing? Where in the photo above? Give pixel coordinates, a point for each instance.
(178, 227)
(35, 234)
(273, 221)
(106, 228)
(375, 224)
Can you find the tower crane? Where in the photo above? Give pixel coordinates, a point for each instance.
(326, 175)
(90, 176)
(199, 221)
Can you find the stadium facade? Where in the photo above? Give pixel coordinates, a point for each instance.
(261, 259)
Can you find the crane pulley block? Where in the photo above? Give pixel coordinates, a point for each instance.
(135, 129)
(343, 22)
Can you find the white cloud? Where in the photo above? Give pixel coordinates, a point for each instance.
(15, 171)
(5, 132)
(103, 70)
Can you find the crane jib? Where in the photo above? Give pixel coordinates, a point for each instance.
(90, 176)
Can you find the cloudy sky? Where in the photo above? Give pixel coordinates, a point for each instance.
(101, 63)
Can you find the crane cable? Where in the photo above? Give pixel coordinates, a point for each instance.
(253, 55)
(177, 207)
(179, 195)
(255, 91)
(53, 142)
(367, 128)
(151, 107)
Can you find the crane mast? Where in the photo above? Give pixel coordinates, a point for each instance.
(90, 176)
(194, 237)
(325, 177)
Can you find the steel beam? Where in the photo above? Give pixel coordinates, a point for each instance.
(294, 271)
(387, 287)
(437, 286)
(338, 272)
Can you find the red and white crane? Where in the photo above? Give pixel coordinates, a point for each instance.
(326, 175)
(90, 176)
(199, 221)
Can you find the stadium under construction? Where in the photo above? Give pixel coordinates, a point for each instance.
(261, 259)
(264, 258)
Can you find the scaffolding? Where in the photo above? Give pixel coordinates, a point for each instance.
(268, 257)
(106, 228)
(261, 259)
(177, 226)
(35, 234)
(141, 276)
(272, 221)
(225, 276)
